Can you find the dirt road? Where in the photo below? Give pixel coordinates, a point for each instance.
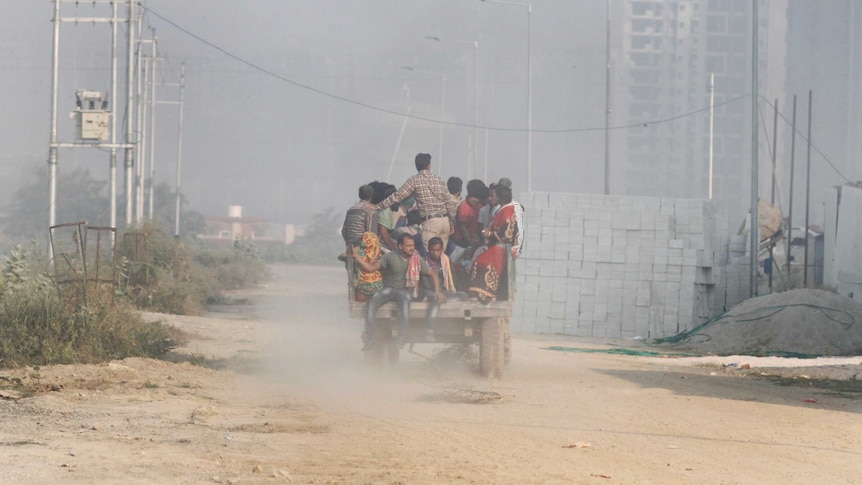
(300, 407)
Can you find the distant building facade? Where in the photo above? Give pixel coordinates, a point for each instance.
(662, 61)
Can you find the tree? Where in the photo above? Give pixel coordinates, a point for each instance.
(82, 198)
(165, 211)
(322, 242)
(79, 198)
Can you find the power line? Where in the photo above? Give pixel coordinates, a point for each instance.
(408, 115)
(816, 149)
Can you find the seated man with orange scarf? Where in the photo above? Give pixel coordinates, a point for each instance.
(401, 272)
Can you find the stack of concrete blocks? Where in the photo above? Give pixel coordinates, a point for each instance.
(732, 275)
(618, 266)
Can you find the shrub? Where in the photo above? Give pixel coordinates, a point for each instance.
(169, 275)
(38, 326)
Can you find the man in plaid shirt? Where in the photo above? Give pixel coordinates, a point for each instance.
(436, 208)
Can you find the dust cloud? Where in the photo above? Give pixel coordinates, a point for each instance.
(311, 344)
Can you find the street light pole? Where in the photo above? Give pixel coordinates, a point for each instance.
(529, 7)
(474, 155)
(608, 101)
(442, 111)
(475, 108)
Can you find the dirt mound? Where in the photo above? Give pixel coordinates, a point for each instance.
(801, 323)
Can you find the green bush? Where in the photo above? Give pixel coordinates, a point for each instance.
(180, 276)
(39, 326)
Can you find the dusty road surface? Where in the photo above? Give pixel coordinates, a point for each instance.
(294, 403)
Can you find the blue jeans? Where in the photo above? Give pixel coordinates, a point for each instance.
(434, 305)
(402, 298)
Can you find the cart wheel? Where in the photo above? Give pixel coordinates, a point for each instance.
(385, 350)
(491, 348)
(393, 352)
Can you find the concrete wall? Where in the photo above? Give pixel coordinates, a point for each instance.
(623, 267)
(843, 241)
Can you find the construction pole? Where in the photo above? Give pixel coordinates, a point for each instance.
(774, 148)
(807, 194)
(711, 127)
(755, 223)
(790, 198)
(772, 197)
(130, 100)
(180, 150)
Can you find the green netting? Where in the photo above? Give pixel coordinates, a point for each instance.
(619, 351)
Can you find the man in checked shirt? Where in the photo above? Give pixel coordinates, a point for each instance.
(436, 208)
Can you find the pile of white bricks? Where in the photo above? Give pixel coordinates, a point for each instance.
(623, 267)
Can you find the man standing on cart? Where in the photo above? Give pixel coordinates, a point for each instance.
(436, 207)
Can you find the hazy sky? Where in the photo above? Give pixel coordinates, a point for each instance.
(256, 132)
(290, 105)
(269, 142)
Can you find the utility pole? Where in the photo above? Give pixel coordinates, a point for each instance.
(179, 102)
(141, 124)
(130, 101)
(180, 149)
(113, 163)
(52, 149)
(152, 179)
(100, 117)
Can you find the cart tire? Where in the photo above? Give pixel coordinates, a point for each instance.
(385, 350)
(491, 347)
(374, 355)
(393, 351)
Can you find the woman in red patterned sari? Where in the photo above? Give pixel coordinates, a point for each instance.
(488, 274)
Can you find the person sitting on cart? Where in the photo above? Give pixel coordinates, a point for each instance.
(360, 218)
(401, 273)
(440, 264)
(488, 275)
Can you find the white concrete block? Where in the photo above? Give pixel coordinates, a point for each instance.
(643, 295)
(603, 254)
(600, 312)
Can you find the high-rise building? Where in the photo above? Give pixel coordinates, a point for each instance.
(824, 55)
(664, 57)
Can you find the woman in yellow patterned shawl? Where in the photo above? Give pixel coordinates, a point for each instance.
(367, 283)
